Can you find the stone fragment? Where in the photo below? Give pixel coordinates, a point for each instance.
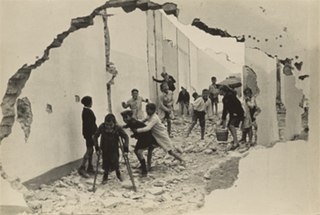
(208, 151)
(156, 191)
(159, 183)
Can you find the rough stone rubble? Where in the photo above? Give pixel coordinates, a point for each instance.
(169, 188)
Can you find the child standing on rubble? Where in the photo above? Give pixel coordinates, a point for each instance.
(144, 140)
(110, 134)
(166, 106)
(231, 106)
(158, 130)
(89, 127)
(251, 111)
(214, 95)
(201, 106)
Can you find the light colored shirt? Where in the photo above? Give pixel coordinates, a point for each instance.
(158, 130)
(136, 107)
(213, 89)
(165, 104)
(200, 105)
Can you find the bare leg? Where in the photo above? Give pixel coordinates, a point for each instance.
(149, 158)
(182, 108)
(191, 127)
(250, 134)
(234, 135)
(169, 126)
(216, 105)
(119, 175)
(176, 156)
(202, 132)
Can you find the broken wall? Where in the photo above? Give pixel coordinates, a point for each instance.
(291, 97)
(74, 70)
(55, 135)
(265, 69)
(128, 36)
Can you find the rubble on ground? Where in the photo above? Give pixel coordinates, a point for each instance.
(169, 188)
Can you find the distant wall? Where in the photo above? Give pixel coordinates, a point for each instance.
(291, 98)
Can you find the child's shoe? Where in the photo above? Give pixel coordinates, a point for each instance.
(83, 172)
(105, 178)
(119, 175)
(90, 170)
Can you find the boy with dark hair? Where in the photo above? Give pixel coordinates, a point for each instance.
(89, 127)
(135, 104)
(231, 106)
(184, 100)
(144, 140)
(200, 106)
(168, 79)
(213, 94)
(110, 134)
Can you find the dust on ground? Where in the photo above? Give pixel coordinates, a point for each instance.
(169, 188)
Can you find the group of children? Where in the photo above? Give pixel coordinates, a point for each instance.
(151, 132)
(239, 113)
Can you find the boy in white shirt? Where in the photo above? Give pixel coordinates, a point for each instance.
(201, 106)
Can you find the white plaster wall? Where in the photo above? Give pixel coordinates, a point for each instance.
(291, 97)
(265, 68)
(128, 34)
(76, 68)
(183, 61)
(278, 180)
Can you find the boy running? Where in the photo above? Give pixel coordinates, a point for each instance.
(158, 130)
(200, 106)
(144, 140)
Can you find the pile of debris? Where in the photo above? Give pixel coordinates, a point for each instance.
(169, 188)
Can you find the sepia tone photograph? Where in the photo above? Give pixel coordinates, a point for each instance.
(159, 107)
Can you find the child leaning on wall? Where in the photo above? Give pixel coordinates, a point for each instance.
(145, 140)
(89, 127)
(110, 133)
(158, 131)
(251, 111)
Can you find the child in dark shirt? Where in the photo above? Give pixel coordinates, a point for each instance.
(144, 140)
(233, 107)
(89, 127)
(183, 100)
(110, 134)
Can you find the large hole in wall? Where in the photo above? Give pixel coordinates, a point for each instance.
(24, 115)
